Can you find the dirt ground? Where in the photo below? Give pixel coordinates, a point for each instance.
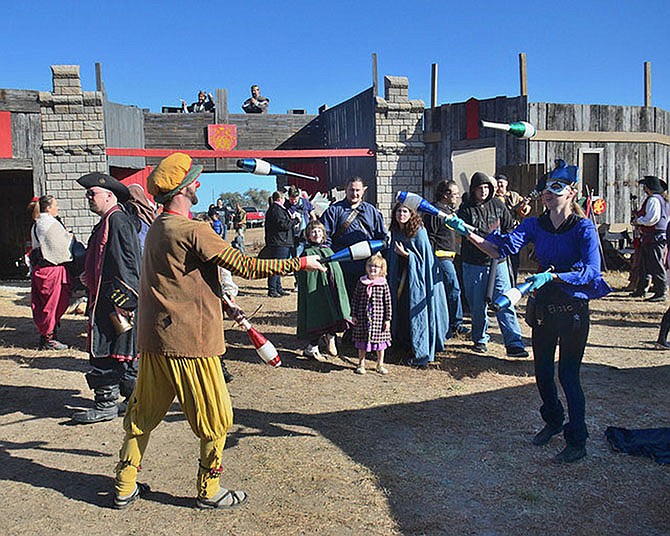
(324, 451)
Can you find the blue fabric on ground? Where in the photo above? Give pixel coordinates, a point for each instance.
(652, 442)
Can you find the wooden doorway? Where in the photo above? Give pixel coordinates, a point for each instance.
(16, 191)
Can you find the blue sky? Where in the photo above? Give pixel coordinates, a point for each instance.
(304, 54)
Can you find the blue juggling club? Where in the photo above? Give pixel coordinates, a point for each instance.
(261, 167)
(356, 252)
(419, 204)
(513, 295)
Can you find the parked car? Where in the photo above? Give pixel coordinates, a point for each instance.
(255, 217)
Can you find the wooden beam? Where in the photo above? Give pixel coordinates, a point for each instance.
(647, 84)
(99, 85)
(600, 137)
(277, 153)
(20, 100)
(433, 85)
(523, 75)
(221, 118)
(375, 78)
(16, 164)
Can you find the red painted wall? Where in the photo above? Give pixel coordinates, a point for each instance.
(131, 176)
(5, 135)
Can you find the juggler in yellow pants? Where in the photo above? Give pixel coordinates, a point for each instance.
(198, 385)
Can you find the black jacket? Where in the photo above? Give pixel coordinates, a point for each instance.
(440, 236)
(278, 227)
(486, 217)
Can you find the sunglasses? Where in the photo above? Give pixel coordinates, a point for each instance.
(90, 194)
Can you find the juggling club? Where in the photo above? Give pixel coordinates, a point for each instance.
(264, 348)
(419, 204)
(261, 167)
(519, 129)
(513, 295)
(356, 252)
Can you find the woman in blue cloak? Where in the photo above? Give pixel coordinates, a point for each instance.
(420, 315)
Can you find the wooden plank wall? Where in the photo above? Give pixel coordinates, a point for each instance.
(26, 128)
(352, 124)
(449, 121)
(189, 131)
(124, 127)
(622, 165)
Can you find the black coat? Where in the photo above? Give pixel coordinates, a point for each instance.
(278, 227)
(487, 217)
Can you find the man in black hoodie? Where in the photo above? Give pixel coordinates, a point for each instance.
(487, 214)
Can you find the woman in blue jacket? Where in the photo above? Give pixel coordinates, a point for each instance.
(566, 240)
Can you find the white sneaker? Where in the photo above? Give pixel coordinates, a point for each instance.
(360, 370)
(381, 369)
(313, 352)
(331, 348)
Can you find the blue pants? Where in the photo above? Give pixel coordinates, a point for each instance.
(569, 331)
(274, 281)
(453, 290)
(475, 282)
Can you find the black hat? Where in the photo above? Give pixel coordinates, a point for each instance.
(655, 184)
(107, 182)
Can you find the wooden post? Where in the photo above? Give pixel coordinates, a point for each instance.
(221, 110)
(220, 118)
(523, 75)
(99, 84)
(375, 85)
(647, 84)
(433, 85)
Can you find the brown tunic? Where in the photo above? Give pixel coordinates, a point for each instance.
(180, 296)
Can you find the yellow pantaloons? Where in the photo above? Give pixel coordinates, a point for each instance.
(198, 385)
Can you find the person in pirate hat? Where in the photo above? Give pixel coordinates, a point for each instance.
(652, 221)
(567, 242)
(180, 332)
(111, 274)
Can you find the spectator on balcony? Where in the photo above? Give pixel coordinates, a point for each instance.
(205, 103)
(256, 104)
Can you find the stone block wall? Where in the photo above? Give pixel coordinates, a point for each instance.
(73, 144)
(399, 143)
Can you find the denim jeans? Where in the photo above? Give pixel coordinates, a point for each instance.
(274, 281)
(569, 331)
(475, 282)
(452, 289)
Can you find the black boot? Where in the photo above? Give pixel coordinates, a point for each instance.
(227, 376)
(126, 388)
(49, 342)
(544, 436)
(662, 341)
(105, 407)
(570, 454)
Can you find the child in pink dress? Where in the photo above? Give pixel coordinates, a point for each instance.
(371, 314)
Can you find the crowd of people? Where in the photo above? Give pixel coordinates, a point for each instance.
(156, 278)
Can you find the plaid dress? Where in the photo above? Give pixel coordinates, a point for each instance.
(371, 306)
